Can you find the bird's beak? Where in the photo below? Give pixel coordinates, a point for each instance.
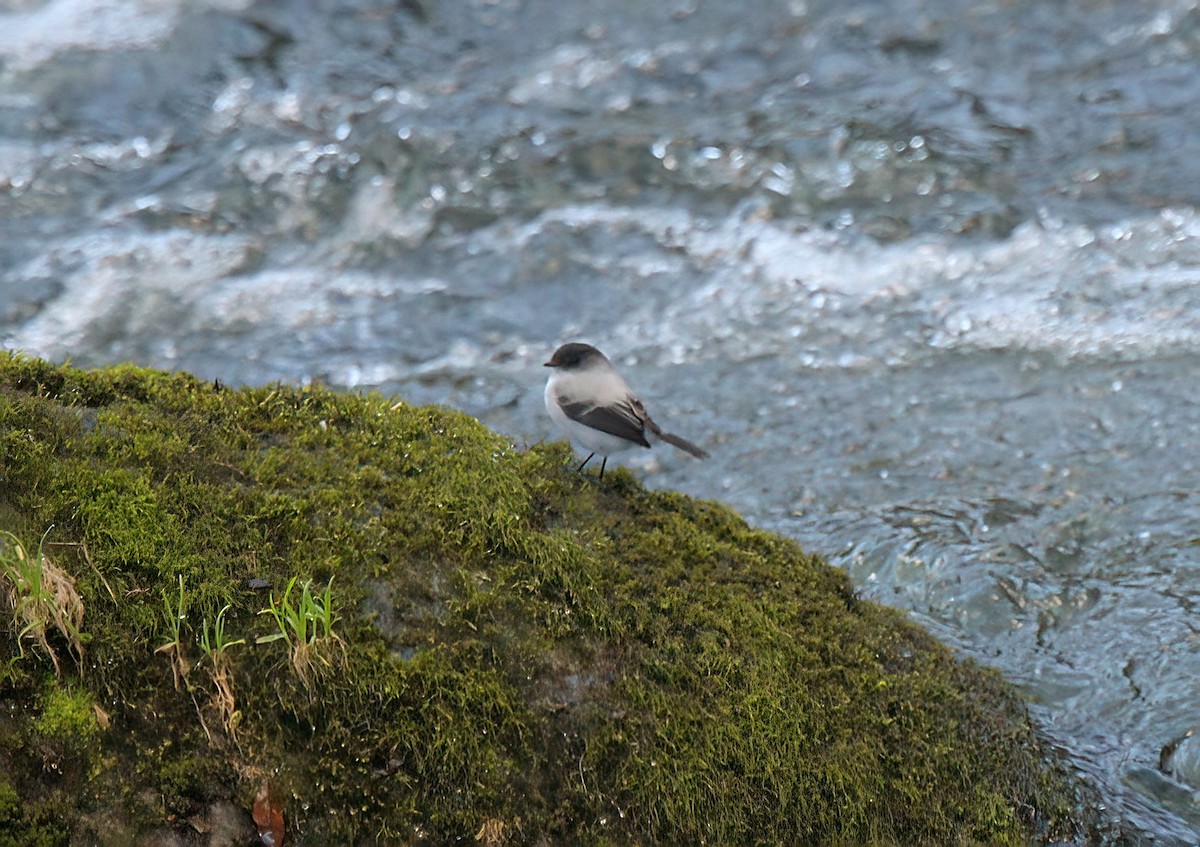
(547, 364)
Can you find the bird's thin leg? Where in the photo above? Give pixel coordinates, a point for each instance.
(603, 462)
(584, 463)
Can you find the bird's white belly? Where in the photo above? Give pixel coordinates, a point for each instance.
(594, 440)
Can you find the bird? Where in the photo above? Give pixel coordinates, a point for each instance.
(591, 403)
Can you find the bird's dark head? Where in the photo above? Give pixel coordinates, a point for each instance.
(574, 355)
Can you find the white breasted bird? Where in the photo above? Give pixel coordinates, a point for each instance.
(593, 406)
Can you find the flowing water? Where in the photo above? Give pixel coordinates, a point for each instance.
(920, 274)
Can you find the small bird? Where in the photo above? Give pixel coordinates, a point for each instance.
(591, 404)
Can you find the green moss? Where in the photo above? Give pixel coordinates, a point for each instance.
(523, 651)
(26, 824)
(10, 805)
(68, 715)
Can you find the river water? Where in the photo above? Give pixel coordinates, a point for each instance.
(921, 275)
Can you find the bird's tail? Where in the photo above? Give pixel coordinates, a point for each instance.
(681, 443)
(675, 440)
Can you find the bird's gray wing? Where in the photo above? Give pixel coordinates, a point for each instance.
(619, 419)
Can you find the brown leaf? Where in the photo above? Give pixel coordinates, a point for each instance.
(268, 816)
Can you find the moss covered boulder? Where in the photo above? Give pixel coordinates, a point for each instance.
(358, 621)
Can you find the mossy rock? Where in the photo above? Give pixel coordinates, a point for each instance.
(520, 654)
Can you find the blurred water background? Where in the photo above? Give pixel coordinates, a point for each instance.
(922, 275)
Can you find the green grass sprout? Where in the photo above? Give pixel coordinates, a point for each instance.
(306, 623)
(215, 644)
(174, 613)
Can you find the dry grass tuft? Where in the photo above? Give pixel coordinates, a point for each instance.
(43, 600)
